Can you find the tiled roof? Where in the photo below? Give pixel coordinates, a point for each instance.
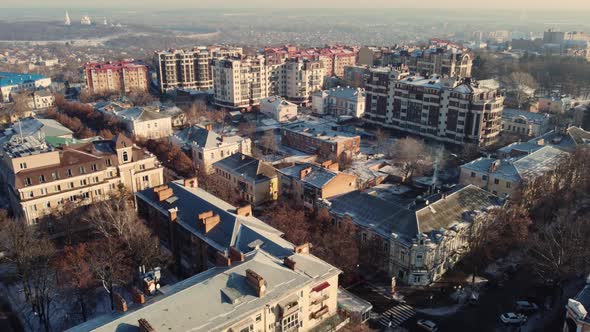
(318, 177)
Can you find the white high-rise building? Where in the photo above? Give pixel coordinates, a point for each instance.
(67, 20)
(86, 20)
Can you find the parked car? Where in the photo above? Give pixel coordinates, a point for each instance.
(512, 318)
(427, 325)
(526, 306)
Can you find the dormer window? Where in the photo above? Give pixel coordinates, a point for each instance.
(125, 156)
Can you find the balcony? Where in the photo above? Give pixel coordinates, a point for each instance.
(319, 299)
(320, 313)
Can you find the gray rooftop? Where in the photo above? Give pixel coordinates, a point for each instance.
(203, 138)
(537, 118)
(320, 129)
(40, 128)
(248, 167)
(318, 177)
(218, 298)
(140, 114)
(351, 302)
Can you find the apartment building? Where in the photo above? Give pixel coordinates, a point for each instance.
(323, 138)
(253, 180)
(340, 101)
(333, 58)
(241, 83)
(41, 178)
(524, 123)
(307, 183)
(207, 147)
(302, 79)
(278, 108)
(144, 123)
(17, 82)
(370, 55)
(415, 244)
(447, 61)
(115, 76)
(377, 89)
(356, 76)
(189, 69)
(503, 177)
(449, 110)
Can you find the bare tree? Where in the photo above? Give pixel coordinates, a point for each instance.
(76, 271)
(20, 107)
(382, 140)
(31, 253)
(412, 156)
(269, 142)
(521, 83)
(110, 265)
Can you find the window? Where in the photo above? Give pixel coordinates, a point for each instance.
(69, 172)
(58, 188)
(418, 259)
(83, 182)
(23, 165)
(28, 181)
(417, 279)
(507, 184)
(125, 156)
(108, 162)
(290, 322)
(43, 191)
(82, 170)
(55, 175)
(496, 181)
(146, 178)
(41, 178)
(484, 177)
(31, 194)
(94, 167)
(48, 205)
(472, 174)
(258, 317)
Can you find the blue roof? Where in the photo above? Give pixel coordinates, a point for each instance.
(7, 79)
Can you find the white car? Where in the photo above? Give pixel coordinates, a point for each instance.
(526, 306)
(512, 318)
(427, 325)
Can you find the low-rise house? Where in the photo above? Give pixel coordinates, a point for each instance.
(145, 123)
(321, 138)
(41, 178)
(39, 128)
(177, 115)
(253, 180)
(308, 183)
(41, 99)
(524, 123)
(555, 105)
(503, 177)
(208, 147)
(567, 140)
(278, 108)
(576, 311)
(17, 82)
(340, 101)
(415, 244)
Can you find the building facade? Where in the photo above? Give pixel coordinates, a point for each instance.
(144, 123)
(17, 82)
(117, 76)
(307, 184)
(340, 101)
(253, 180)
(278, 108)
(445, 109)
(41, 179)
(207, 147)
(524, 123)
(189, 69)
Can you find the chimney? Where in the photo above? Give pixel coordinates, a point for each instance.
(235, 255)
(144, 326)
(221, 259)
(290, 263)
(302, 249)
(304, 172)
(257, 282)
(160, 188)
(138, 296)
(172, 214)
(333, 167)
(209, 127)
(163, 195)
(191, 183)
(120, 303)
(244, 211)
(204, 215)
(210, 223)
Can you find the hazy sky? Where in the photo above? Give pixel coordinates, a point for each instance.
(494, 4)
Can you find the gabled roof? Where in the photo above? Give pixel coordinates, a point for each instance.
(122, 141)
(233, 230)
(248, 167)
(318, 177)
(35, 127)
(140, 114)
